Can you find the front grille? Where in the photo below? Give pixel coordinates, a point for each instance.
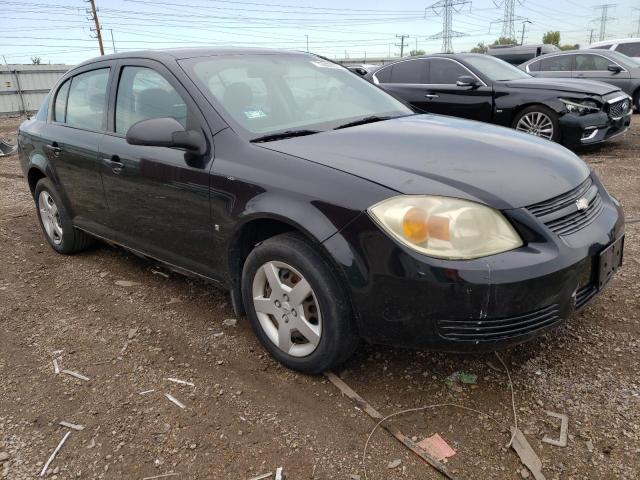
(619, 109)
(483, 330)
(562, 215)
(584, 295)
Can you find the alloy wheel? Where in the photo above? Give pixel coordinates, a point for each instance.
(287, 308)
(50, 217)
(536, 123)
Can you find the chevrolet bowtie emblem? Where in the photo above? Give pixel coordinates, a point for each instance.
(582, 204)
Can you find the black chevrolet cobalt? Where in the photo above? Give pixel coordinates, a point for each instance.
(330, 211)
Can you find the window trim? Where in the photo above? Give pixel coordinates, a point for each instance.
(101, 65)
(66, 102)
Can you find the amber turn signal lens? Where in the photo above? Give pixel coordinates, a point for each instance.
(414, 225)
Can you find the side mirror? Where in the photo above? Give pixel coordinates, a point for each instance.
(166, 132)
(467, 81)
(614, 68)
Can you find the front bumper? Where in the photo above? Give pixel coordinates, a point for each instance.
(592, 128)
(406, 299)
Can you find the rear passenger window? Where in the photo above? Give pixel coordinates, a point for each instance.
(61, 102)
(384, 75)
(561, 63)
(143, 94)
(88, 99)
(534, 67)
(631, 49)
(410, 71)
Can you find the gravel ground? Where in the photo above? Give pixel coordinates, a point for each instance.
(245, 415)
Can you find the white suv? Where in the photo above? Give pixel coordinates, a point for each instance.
(629, 46)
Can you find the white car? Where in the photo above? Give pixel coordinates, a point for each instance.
(629, 46)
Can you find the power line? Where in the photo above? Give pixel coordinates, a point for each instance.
(604, 18)
(446, 9)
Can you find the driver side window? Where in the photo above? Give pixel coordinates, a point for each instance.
(143, 94)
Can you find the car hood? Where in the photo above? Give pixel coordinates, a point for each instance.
(440, 155)
(563, 85)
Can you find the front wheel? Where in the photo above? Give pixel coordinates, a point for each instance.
(296, 305)
(540, 121)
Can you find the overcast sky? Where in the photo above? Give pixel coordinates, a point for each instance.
(58, 31)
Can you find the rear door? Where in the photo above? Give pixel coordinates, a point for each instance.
(158, 197)
(589, 66)
(405, 80)
(445, 97)
(71, 140)
(553, 66)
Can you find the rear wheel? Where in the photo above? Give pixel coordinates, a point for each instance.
(636, 100)
(55, 221)
(296, 305)
(540, 121)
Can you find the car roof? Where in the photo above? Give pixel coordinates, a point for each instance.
(182, 53)
(615, 41)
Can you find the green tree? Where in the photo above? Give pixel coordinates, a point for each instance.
(36, 60)
(569, 47)
(551, 37)
(504, 41)
(416, 53)
(480, 48)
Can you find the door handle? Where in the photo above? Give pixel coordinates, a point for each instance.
(431, 96)
(54, 148)
(115, 163)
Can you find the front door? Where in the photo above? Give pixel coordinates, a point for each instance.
(158, 197)
(589, 66)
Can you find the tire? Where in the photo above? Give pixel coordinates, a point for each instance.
(288, 261)
(636, 101)
(525, 121)
(55, 221)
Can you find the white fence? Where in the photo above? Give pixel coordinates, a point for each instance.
(24, 87)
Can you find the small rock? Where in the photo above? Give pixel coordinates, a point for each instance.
(355, 477)
(103, 274)
(132, 333)
(4, 456)
(394, 463)
(126, 283)
(230, 322)
(589, 445)
(193, 446)
(524, 473)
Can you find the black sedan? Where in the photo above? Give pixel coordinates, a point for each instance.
(481, 87)
(329, 210)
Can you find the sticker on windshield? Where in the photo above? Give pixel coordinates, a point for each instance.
(325, 64)
(253, 114)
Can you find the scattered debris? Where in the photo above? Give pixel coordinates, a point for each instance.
(437, 447)
(6, 148)
(124, 348)
(355, 477)
(126, 283)
(103, 274)
(454, 380)
(158, 272)
(524, 473)
(493, 366)
(173, 399)
(513, 401)
(562, 441)
(53, 455)
(528, 457)
(219, 334)
(132, 333)
(75, 374)
(590, 447)
(4, 456)
(173, 300)
(72, 426)
(279, 473)
(56, 353)
(161, 476)
(392, 429)
(182, 382)
(147, 391)
(230, 322)
(394, 463)
(56, 368)
(262, 477)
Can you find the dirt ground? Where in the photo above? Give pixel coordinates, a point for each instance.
(245, 415)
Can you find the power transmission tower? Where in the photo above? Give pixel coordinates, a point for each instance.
(509, 17)
(402, 44)
(446, 9)
(94, 16)
(604, 18)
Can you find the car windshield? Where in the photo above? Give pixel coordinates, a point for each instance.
(272, 93)
(495, 69)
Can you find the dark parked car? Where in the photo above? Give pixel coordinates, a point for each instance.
(329, 210)
(601, 65)
(481, 87)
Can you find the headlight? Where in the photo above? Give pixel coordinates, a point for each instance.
(581, 106)
(445, 227)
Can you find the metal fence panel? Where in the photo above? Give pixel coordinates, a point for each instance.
(26, 83)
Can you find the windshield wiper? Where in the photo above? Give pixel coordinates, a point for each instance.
(282, 135)
(363, 121)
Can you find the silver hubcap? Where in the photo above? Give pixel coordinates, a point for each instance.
(536, 123)
(287, 308)
(50, 217)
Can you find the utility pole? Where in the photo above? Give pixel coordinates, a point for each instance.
(446, 9)
(524, 24)
(307, 36)
(591, 36)
(94, 16)
(402, 44)
(113, 43)
(604, 19)
(638, 29)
